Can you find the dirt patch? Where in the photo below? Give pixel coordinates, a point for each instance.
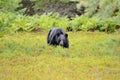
(65, 9)
(68, 9)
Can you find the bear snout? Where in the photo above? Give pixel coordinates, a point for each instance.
(61, 43)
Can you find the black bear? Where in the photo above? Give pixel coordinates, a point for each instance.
(57, 36)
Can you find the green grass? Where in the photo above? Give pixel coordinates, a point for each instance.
(91, 56)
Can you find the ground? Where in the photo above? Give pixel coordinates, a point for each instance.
(91, 56)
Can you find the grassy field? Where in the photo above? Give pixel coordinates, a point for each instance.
(91, 56)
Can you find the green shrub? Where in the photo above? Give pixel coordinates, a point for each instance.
(51, 20)
(109, 24)
(83, 23)
(8, 5)
(10, 22)
(6, 20)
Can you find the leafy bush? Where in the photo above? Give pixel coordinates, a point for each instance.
(5, 20)
(109, 24)
(83, 23)
(8, 5)
(10, 22)
(51, 20)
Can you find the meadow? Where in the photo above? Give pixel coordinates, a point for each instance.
(91, 56)
(93, 29)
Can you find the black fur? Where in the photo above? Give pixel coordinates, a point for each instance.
(57, 36)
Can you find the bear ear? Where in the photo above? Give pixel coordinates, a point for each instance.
(66, 35)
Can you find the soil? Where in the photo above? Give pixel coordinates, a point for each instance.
(64, 9)
(68, 9)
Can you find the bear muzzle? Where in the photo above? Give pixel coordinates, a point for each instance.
(61, 43)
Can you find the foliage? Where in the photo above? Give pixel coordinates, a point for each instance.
(101, 8)
(8, 5)
(102, 15)
(83, 23)
(12, 23)
(51, 20)
(105, 11)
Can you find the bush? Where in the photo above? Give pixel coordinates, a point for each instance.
(8, 5)
(10, 22)
(83, 23)
(50, 20)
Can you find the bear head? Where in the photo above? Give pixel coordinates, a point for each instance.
(62, 40)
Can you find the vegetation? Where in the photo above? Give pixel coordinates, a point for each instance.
(102, 15)
(93, 54)
(90, 56)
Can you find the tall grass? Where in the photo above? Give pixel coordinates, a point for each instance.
(81, 44)
(90, 56)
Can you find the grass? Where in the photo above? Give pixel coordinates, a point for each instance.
(91, 56)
